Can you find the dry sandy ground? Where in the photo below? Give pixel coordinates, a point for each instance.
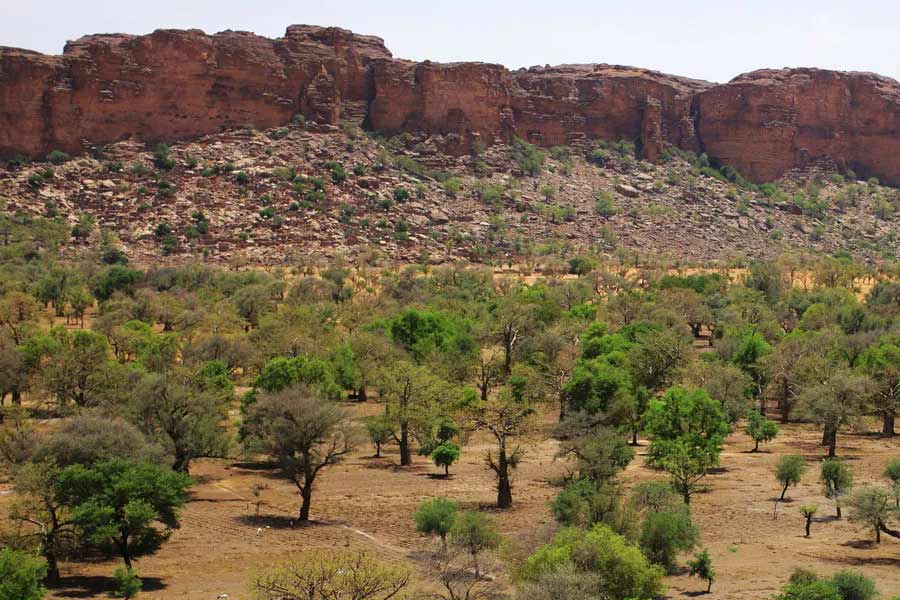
(365, 504)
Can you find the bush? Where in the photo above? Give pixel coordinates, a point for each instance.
(162, 230)
(621, 571)
(338, 175)
(604, 205)
(760, 429)
(401, 194)
(161, 157)
(665, 534)
(598, 156)
(854, 586)
(436, 517)
(128, 584)
(58, 157)
(241, 178)
(452, 187)
(529, 157)
(21, 575)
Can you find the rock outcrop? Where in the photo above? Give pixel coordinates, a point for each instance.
(770, 121)
(180, 84)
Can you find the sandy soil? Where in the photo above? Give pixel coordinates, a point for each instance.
(365, 504)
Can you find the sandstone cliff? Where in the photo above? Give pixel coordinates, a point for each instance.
(180, 84)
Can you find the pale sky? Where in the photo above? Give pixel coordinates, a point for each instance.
(705, 39)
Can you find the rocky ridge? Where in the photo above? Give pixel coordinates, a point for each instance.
(172, 85)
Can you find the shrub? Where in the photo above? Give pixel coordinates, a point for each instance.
(114, 167)
(701, 566)
(452, 187)
(621, 571)
(128, 584)
(604, 205)
(241, 178)
(854, 586)
(665, 534)
(436, 517)
(58, 157)
(338, 175)
(162, 230)
(161, 157)
(529, 157)
(21, 575)
(401, 194)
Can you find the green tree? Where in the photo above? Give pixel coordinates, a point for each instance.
(837, 479)
(123, 506)
(436, 517)
(835, 403)
(760, 429)
(688, 429)
(701, 566)
(881, 362)
(444, 455)
(181, 412)
(789, 470)
(380, 432)
(304, 433)
(892, 472)
(871, 506)
(21, 575)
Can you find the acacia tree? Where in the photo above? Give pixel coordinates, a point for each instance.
(303, 433)
(871, 506)
(508, 420)
(835, 403)
(760, 429)
(124, 506)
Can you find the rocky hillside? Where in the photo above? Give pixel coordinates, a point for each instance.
(286, 194)
(173, 85)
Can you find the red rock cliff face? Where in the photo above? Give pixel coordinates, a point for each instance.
(181, 84)
(178, 84)
(767, 122)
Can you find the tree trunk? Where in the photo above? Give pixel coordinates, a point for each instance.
(446, 470)
(123, 549)
(784, 491)
(839, 515)
(756, 447)
(832, 444)
(405, 452)
(52, 566)
(504, 489)
(708, 585)
(362, 395)
(887, 429)
(377, 450)
(686, 494)
(17, 397)
(634, 437)
(306, 501)
(182, 462)
(808, 523)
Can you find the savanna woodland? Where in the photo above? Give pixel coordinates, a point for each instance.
(600, 426)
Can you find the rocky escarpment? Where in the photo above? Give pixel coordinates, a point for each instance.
(181, 84)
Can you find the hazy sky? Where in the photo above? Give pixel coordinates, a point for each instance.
(707, 39)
